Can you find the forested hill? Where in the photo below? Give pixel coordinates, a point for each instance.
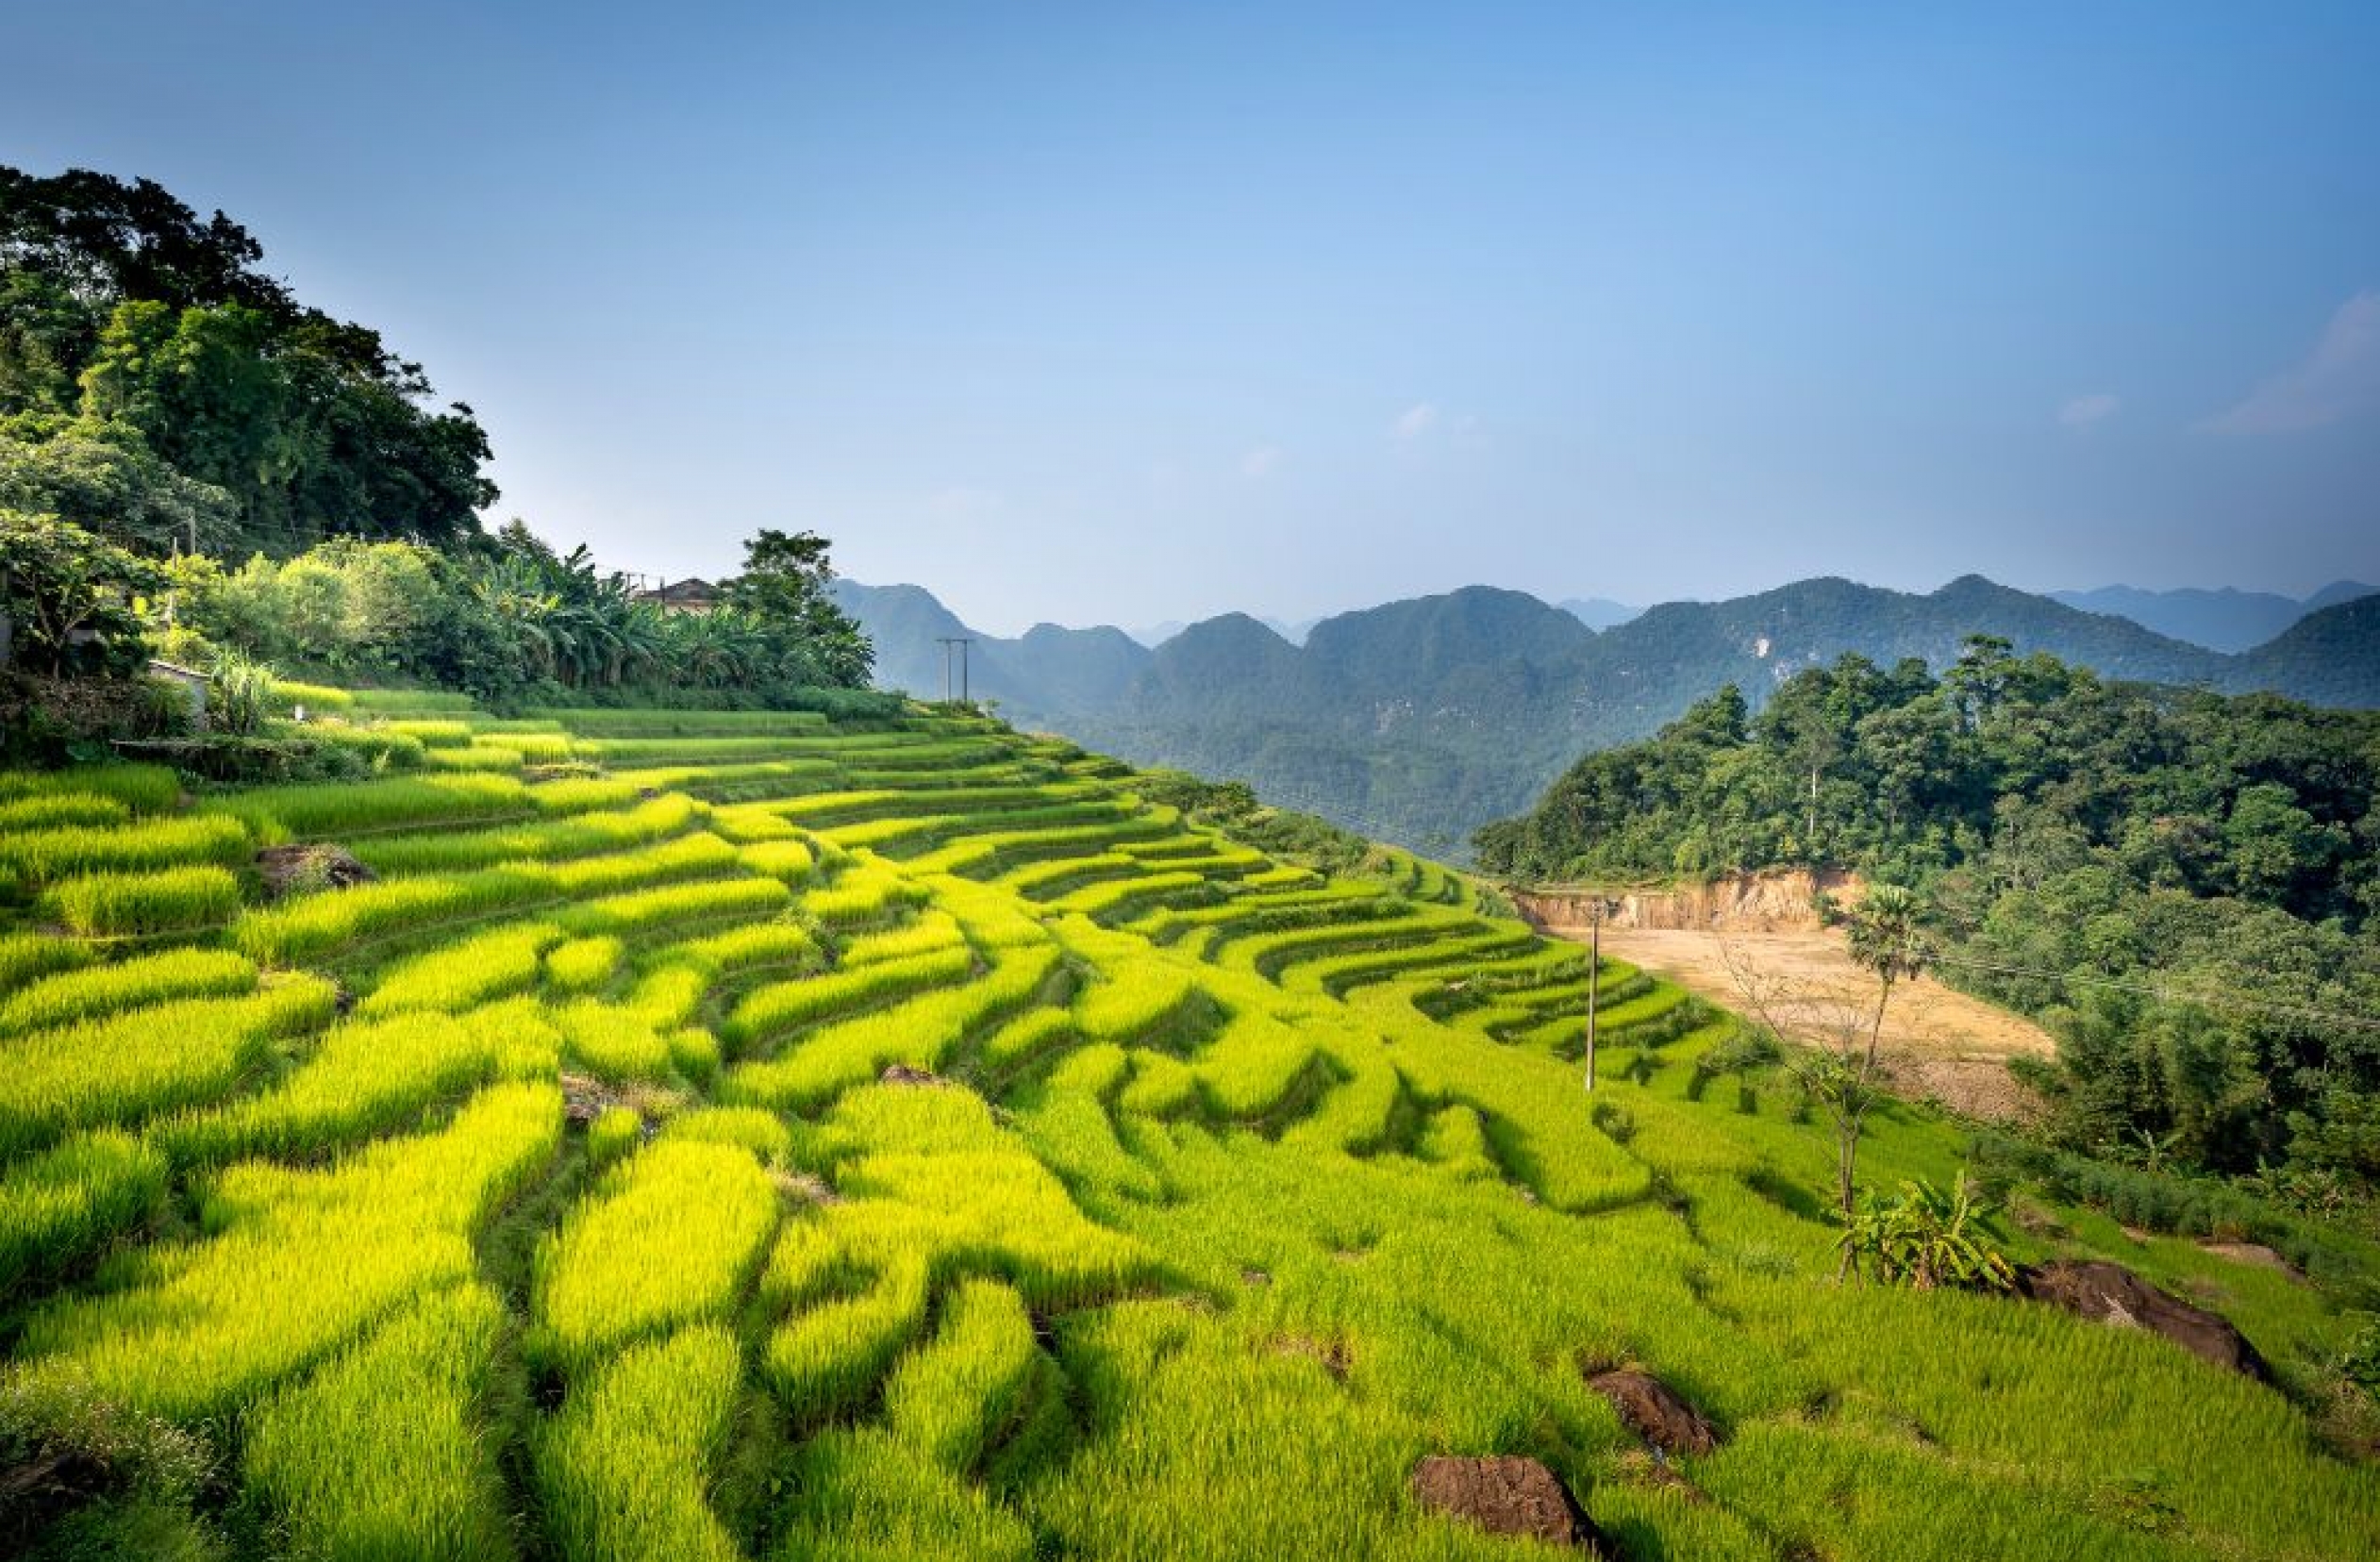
(158, 386)
(1421, 721)
(2181, 885)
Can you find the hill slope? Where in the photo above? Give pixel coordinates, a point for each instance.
(901, 1140)
(2226, 620)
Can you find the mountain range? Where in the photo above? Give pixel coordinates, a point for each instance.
(2224, 620)
(1419, 720)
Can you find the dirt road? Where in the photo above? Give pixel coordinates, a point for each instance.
(1936, 1042)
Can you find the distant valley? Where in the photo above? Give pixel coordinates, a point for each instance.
(1419, 720)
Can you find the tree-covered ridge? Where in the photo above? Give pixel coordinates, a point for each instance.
(2181, 884)
(153, 379)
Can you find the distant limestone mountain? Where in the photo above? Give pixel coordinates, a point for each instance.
(1598, 613)
(1419, 720)
(2227, 619)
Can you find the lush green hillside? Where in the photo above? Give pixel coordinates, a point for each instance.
(1422, 721)
(741, 1134)
(2181, 885)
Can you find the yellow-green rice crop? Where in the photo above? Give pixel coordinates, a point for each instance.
(329, 810)
(143, 789)
(466, 974)
(951, 1399)
(625, 1470)
(545, 840)
(615, 1132)
(696, 856)
(581, 965)
(135, 1066)
(790, 860)
(613, 1042)
(781, 1007)
(311, 926)
(680, 903)
(26, 958)
(366, 1078)
(172, 899)
(385, 1450)
(98, 991)
(56, 1206)
(670, 1237)
(58, 810)
(293, 1263)
(920, 1032)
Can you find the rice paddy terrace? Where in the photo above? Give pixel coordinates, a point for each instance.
(733, 1136)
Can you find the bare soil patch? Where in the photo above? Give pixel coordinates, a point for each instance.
(1939, 1044)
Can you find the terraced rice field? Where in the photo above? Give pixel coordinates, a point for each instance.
(743, 1137)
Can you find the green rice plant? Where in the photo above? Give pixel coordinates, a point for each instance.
(764, 1134)
(545, 840)
(293, 1263)
(61, 811)
(932, 931)
(582, 965)
(367, 1077)
(868, 889)
(781, 1007)
(95, 992)
(865, 1498)
(615, 1131)
(45, 856)
(790, 860)
(670, 1237)
(1456, 1140)
(951, 1400)
(1255, 1063)
(624, 1472)
(920, 1032)
(477, 759)
(172, 899)
(377, 746)
(1162, 1086)
(142, 788)
(26, 958)
(311, 926)
(466, 974)
(436, 734)
(334, 810)
(669, 995)
(131, 1067)
(287, 695)
(613, 1043)
(701, 854)
(385, 1451)
(737, 949)
(749, 824)
(1029, 1035)
(585, 793)
(682, 903)
(830, 1355)
(61, 1205)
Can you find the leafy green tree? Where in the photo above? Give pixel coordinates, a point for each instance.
(69, 597)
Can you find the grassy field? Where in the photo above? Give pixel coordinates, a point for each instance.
(744, 1137)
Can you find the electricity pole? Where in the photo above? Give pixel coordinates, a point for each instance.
(962, 643)
(1594, 981)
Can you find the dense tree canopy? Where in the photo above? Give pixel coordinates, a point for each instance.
(2182, 884)
(129, 324)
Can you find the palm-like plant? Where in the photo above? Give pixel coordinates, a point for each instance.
(1925, 1238)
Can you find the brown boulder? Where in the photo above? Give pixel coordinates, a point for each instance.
(2111, 1294)
(1506, 1495)
(1655, 1412)
(300, 870)
(902, 1073)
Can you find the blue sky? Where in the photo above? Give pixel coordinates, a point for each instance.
(1126, 312)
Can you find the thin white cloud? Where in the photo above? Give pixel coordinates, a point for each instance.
(1415, 421)
(1261, 462)
(2083, 411)
(2340, 378)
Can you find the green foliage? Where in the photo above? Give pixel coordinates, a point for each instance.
(2176, 883)
(1924, 1238)
(70, 596)
(172, 899)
